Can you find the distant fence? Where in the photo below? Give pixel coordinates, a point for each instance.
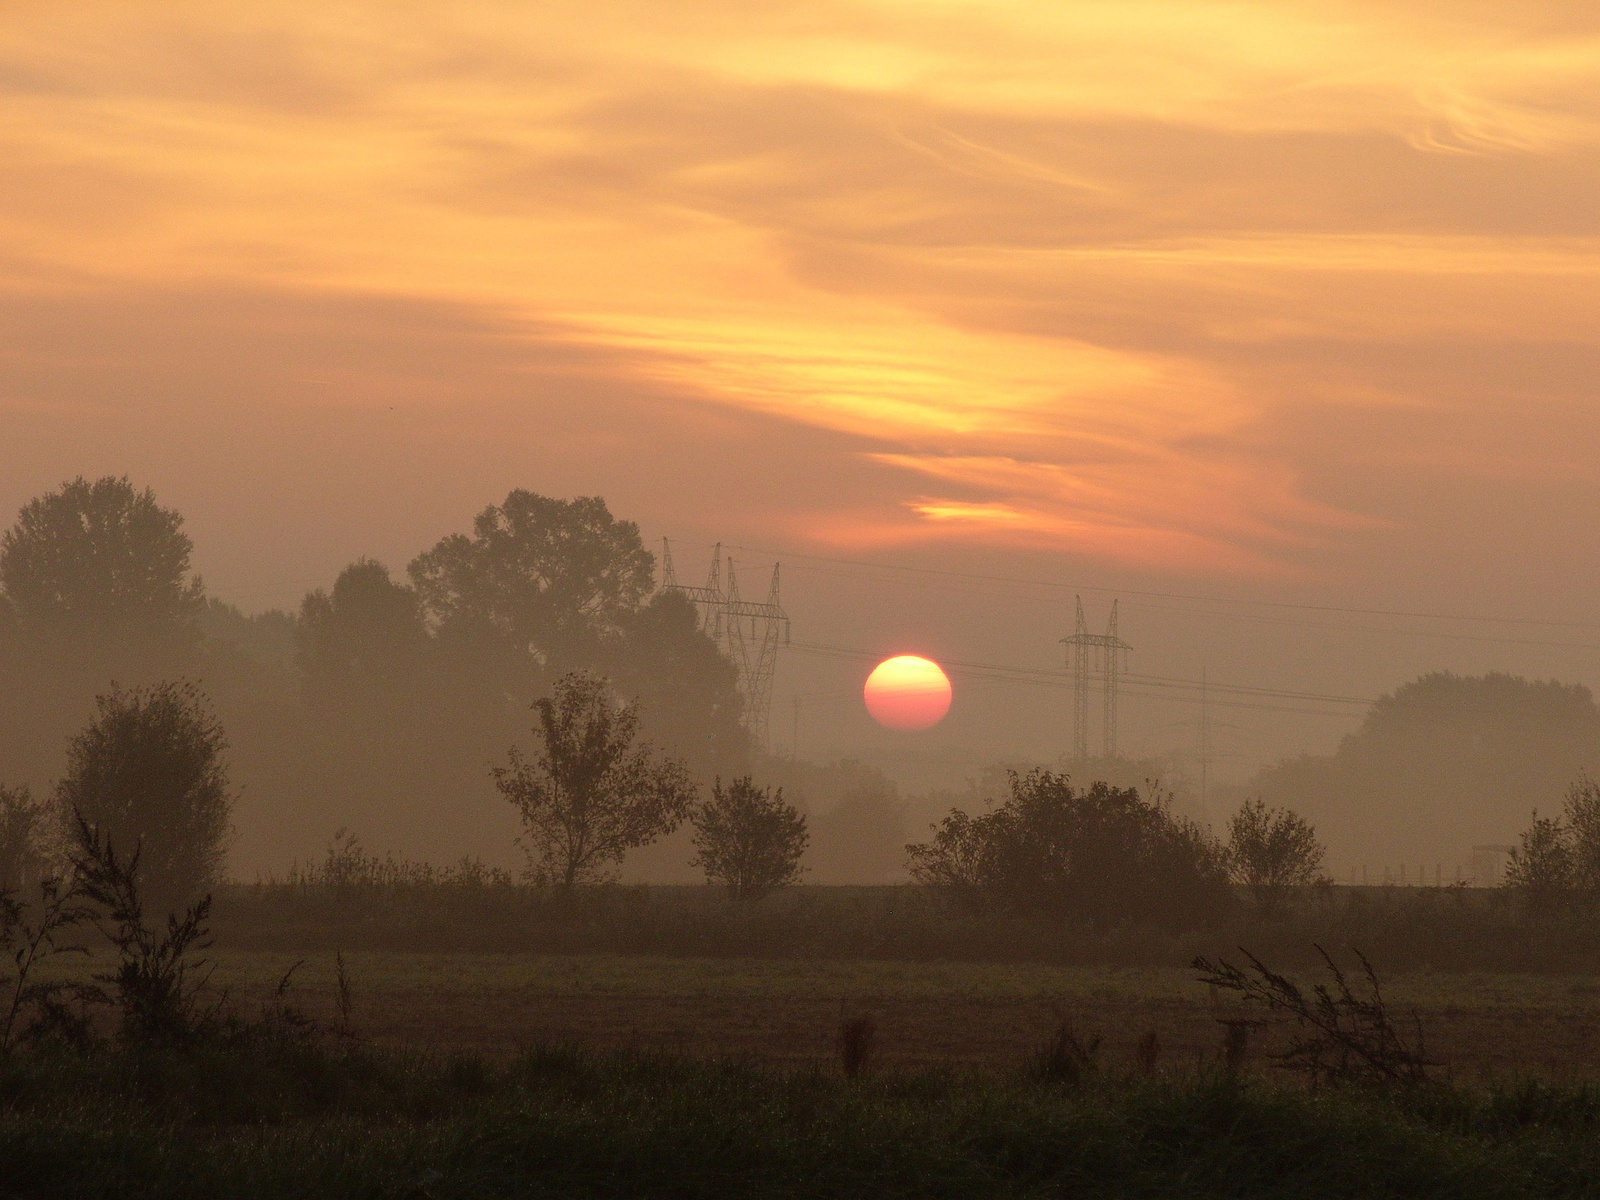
(1485, 868)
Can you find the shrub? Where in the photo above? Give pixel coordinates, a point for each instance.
(1540, 869)
(749, 839)
(1106, 854)
(1271, 851)
(1581, 815)
(148, 773)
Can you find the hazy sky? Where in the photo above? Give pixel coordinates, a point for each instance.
(1291, 302)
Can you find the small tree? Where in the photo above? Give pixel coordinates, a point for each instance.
(590, 795)
(23, 861)
(148, 775)
(1271, 851)
(749, 839)
(1541, 869)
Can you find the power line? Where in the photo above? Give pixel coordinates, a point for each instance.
(1188, 597)
(1249, 697)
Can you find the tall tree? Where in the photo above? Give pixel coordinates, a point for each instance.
(545, 580)
(368, 632)
(23, 854)
(101, 558)
(1443, 763)
(591, 793)
(686, 688)
(148, 775)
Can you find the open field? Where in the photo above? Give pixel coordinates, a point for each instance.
(961, 1014)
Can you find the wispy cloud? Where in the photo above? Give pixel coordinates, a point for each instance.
(1080, 276)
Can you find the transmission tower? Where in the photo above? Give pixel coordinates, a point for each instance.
(1087, 653)
(708, 600)
(753, 631)
(749, 631)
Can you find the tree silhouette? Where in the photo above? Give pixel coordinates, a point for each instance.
(369, 631)
(100, 558)
(749, 839)
(686, 688)
(1444, 762)
(148, 775)
(544, 579)
(591, 794)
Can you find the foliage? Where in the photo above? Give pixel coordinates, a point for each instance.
(24, 861)
(749, 839)
(685, 686)
(100, 558)
(1581, 818)
(1105, 854)
(543, 578)
(590, 794)
(1341, 1037)
(149, 772)
(158, 979)
(1272, 851)
(1066, 1058)
(1557, 864)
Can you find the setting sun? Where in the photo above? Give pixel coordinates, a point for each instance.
(908, 693)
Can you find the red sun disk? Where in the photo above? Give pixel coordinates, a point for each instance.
(907, 693)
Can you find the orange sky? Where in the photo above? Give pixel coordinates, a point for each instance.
(1285, 295)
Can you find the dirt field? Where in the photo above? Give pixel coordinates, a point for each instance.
(955, 1013)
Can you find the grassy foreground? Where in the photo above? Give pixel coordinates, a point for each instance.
(269, 1116)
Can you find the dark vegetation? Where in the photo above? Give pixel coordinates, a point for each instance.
(382, 702)
(180, 1098)
(748, 840)
(1445, 929)
(1101, 854)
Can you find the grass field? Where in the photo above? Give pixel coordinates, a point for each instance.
(270, 1118)
(927, 1014)
(606, 1075)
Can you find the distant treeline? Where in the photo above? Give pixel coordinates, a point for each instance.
(384, 701)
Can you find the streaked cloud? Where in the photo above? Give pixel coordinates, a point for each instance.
(1114, 280)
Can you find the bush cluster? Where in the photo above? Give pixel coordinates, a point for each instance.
(1103, 854)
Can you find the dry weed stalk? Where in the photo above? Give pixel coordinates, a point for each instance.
(1341, 1036)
